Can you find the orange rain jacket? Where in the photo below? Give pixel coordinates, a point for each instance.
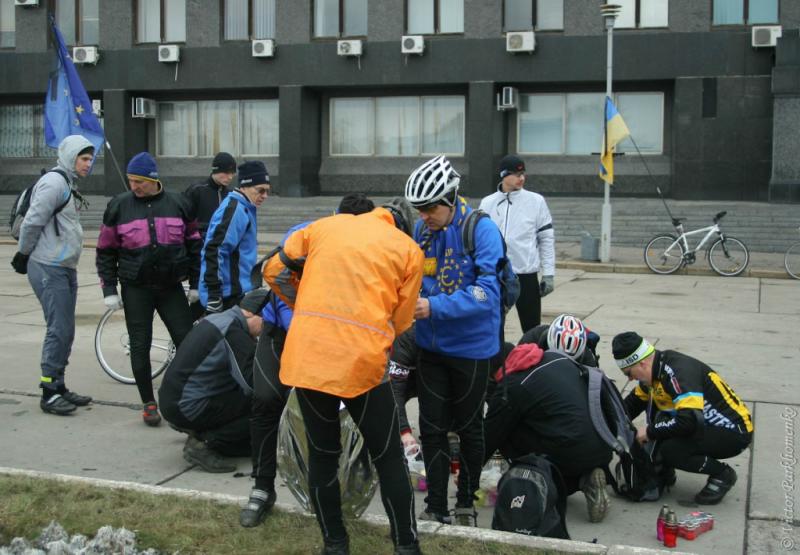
(353, 283)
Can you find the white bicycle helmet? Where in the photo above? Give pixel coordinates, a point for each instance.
(567, 335)
(431, 182)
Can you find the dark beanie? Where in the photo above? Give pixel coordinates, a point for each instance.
(223, 163)
(355, 203)
(511, 164)
(253, 173)
(255, 300)
(143, 165)
(629, 348)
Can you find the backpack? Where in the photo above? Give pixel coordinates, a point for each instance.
(636, 477)
(531, 499)
(509, 282)
(23, 202)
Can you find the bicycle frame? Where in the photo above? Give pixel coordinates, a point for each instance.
(682, 235)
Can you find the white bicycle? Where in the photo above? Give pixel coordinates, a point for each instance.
(791, 259)
(666, 254)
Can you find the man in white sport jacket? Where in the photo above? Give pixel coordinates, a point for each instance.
(527, 227)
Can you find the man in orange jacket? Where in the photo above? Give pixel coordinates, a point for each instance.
(353, 283)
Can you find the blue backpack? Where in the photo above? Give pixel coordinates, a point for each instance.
(509, 282)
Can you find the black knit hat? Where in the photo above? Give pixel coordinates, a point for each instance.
(511, 164)
(253, 173)
(629, 348)
(255, 300)
(223, 163)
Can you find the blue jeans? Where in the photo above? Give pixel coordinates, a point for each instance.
(57, 290)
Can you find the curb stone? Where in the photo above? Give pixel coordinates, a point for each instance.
(548, 545)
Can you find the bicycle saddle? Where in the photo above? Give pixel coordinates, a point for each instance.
(677, 221)
(720, 215)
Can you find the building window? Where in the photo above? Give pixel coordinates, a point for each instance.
(518, 15)
(249, 19)
(745, 12)
(203, 128)
(397, 126)
(22, 132)
(7, 24)
(571, 123)
(642, 13)
(340, 18)
(427, 17)
(79, 21)
(160, 21)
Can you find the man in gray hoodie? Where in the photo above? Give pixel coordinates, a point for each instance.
(50, 242)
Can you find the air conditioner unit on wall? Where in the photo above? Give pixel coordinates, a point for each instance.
(85, 54)
(27, 3)
(766, 35)
(143, 108)
(507, 99)
(412, 44)
(169, 53)
(97, 107)
(263, 48)
(349, 47)
(520, 41)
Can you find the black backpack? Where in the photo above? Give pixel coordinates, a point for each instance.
(531, 499)
(509, 282)
(23, 202)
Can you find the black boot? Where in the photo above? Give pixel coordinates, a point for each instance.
(337, 547)
(259, 504)
(716, 487)
(412, 549)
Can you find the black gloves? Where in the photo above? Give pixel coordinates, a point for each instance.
(213, 305)
(20, 263)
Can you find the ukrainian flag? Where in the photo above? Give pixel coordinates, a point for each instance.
(615, 131)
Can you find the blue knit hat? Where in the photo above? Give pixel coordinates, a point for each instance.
(143, 165)
(253, 173)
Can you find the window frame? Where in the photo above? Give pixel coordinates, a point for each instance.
(637, 18)
(564, 123)
(161, 23)
(250, 22)
(14, 20)
(341, 34)
(436, 21)
(78, 22)
(745, 16)
(534, 19)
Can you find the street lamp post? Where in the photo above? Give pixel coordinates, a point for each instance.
(610, 13)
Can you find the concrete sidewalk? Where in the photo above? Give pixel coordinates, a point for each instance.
(744, 327)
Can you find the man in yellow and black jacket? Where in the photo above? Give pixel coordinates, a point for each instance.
(695, 416)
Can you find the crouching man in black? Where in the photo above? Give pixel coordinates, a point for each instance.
(540, 405)
(207, 387)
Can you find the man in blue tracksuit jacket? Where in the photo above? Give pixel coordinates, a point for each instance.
(230, 249)
(457, 331)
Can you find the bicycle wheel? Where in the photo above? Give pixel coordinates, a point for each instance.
(663, 254)
(792, 261)
(728, 257)
(113, 351)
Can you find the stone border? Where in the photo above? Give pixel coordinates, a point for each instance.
(538, 544)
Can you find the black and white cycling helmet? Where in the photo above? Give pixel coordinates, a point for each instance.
(432, 182)
(567, 335)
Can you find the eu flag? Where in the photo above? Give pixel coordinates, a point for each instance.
(67, 109)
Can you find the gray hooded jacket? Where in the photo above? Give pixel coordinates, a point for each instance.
(37, 236)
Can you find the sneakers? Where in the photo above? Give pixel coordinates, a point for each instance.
(197, 452)
(337, 547)
(76, 399)
(593, 486)
(258, 505)
(56, 404)
(431, 516)
(466, 516)
(716, 487)
(150, 414)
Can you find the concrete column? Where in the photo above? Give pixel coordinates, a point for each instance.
(485, 139)
(299, 141)
(784, 185)
(127, 136)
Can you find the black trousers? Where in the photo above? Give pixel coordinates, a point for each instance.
(700, 455)
(140, 304)
(529, 303)
(451, 392)
(269, 399)
(375, 414)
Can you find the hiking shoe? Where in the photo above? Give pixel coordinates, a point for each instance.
(197, 452)
(258, 505)
(336, 547)
(431, 516)
(150, 414)
(466, 516)
(76, 399)
(593, 486)
(716, 487)
(56, 404)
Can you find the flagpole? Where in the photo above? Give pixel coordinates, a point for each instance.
(610, 12)
(116, 165)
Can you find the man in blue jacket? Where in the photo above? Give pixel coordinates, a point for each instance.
(230, 249)
(458, 331)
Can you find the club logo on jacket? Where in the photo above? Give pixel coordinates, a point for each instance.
(479, 293)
